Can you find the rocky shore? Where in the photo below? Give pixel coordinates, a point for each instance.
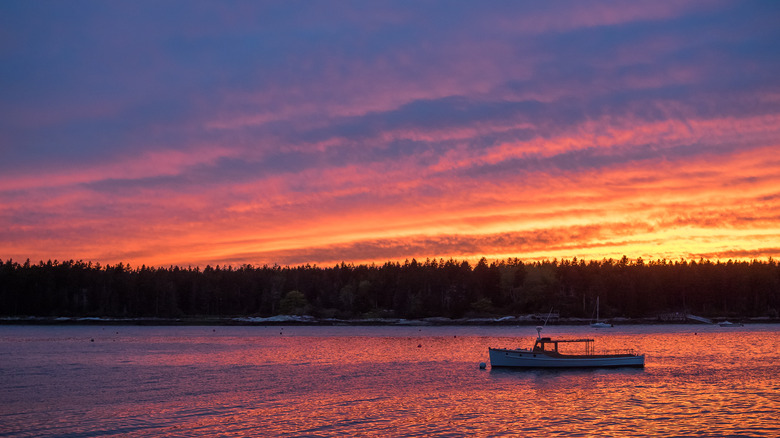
(309, 320)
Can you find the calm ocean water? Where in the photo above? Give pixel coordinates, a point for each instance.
(380, 381)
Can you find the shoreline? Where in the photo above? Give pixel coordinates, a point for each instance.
(311, 321)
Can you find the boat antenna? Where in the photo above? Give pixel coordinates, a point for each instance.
(540, 327)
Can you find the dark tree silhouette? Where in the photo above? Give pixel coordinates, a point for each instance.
(412, 289)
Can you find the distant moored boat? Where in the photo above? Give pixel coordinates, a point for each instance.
(597, 323)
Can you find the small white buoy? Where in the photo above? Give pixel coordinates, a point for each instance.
(482, 365)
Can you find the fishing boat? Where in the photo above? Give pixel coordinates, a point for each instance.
(545, 354)
(730, 324)
(597, 323)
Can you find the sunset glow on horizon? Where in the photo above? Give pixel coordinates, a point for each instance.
(290, 133)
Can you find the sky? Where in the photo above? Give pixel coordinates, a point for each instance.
(194, 133)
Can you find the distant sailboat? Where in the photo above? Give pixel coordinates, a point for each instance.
(598, 324)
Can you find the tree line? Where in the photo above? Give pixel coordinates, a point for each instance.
(412, 289)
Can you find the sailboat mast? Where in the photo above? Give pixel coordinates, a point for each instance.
(597, 309)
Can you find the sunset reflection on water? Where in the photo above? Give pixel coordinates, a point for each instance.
(399, 381)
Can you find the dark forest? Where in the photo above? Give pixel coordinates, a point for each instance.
(413, 289)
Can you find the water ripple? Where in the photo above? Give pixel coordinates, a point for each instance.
(376, 381)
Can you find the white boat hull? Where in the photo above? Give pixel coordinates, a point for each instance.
(500, 357)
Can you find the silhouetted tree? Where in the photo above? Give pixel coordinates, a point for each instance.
(449, 288)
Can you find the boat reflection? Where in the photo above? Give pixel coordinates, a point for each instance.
(500, 372)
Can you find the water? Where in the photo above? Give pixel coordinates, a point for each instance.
(380, 381)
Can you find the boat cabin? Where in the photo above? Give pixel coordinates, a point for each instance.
(550, 346)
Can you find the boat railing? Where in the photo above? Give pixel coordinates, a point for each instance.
(630, 351)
